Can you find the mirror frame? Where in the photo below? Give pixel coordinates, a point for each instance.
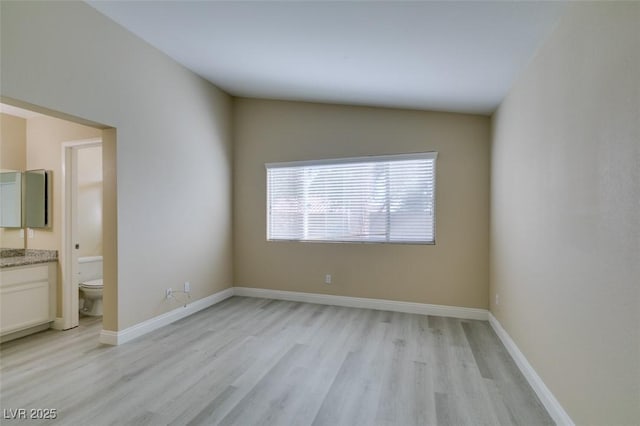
(41, 203)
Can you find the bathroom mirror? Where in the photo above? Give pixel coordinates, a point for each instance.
(10, 199)
(25, 199)
(36, 199)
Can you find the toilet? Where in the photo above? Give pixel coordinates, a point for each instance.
(90, 285)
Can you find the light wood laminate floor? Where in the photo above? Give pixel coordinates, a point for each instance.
(249, 361)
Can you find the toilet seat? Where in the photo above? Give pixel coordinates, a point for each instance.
(92, 284)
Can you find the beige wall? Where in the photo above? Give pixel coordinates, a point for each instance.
(13, 140)
(565, 228)
(90, 201)
(41, 148)
(452, 272)
(13, 151)
(173, 146)
(45, 136)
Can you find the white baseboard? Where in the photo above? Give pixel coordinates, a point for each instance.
(58, 323)
(119, 337)
(557, 413)
(359, 302)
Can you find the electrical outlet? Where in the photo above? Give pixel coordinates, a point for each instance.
(30, 233)
(497, 299)
(169, 293)
(187, 287)
(327, 279)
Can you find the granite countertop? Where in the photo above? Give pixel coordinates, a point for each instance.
(23, 257)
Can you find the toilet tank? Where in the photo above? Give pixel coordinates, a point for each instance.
(89, 268)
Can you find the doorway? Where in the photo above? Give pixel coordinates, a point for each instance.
(82, 202)
(44, 150)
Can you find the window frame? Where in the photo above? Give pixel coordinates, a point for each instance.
(428, 155)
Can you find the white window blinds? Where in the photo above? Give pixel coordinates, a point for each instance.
(370, 199)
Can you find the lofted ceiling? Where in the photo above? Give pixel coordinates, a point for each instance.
(435, 55)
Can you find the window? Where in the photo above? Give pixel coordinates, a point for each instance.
(383, 199)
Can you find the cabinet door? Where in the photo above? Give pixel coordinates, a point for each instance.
(24, 298)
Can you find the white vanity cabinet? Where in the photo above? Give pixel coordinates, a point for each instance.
(27, 298)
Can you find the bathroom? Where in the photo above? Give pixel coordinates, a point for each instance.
(70, 242)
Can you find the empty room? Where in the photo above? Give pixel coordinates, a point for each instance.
(319, 213)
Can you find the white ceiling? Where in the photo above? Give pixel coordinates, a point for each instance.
(452, 56)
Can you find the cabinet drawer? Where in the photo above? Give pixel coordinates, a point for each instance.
(24, 274)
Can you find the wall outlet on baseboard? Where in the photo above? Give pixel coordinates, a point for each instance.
(168, 293)
(497, 299)
(327, 279)
(187, 287)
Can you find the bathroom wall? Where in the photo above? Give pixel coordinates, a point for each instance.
(173, 156)
(565, 203)
(13, 142)
(45, 136)
(90, 201)
(13, 151)
(454, 271)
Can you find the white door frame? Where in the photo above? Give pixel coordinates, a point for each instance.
(68, 255)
